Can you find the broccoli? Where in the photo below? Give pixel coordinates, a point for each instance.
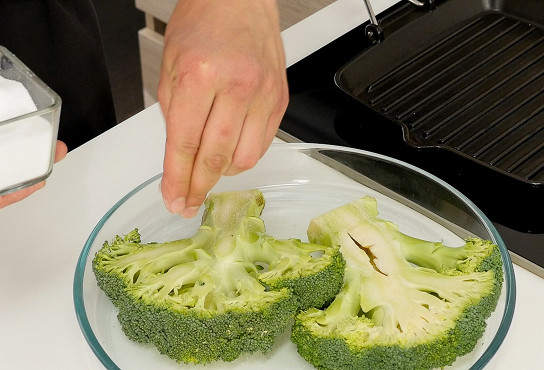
(229, 289)
(405, 303)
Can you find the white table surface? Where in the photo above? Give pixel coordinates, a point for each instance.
(41, 237)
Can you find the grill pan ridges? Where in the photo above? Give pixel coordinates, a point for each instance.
(476, 88)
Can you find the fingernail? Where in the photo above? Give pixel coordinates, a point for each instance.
(190, 212)
(177, 206)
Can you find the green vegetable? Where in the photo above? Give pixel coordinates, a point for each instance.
(229, 289)
(405, 303)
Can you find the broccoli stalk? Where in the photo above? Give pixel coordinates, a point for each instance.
(405, 303)
(229, 289)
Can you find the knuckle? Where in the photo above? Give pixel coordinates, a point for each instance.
(224, 132)
(244, 162)
(201, 69)
(182, 147)
(192, 70)
(216, 163)
(246, 81)
(242, 86)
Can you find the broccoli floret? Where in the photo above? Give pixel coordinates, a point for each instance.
(405, 303)
(229, 289)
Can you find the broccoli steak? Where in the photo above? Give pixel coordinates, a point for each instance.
(229, 289)
(405, 303)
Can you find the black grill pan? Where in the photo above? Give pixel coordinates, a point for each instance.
(467, 76)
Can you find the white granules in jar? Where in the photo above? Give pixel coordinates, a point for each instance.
(14, 99)
(26, 144)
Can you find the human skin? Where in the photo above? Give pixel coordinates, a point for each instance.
(6, 200)
(222, 91)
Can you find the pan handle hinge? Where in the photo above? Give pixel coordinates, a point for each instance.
(374, 32)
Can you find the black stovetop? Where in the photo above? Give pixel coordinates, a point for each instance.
(319, 112)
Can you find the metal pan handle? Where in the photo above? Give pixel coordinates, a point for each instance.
(374, 32)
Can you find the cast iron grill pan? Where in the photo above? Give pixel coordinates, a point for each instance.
(467, 77)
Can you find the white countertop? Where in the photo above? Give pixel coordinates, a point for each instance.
(41, 237)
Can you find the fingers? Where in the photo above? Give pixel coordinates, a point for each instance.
(231, 138)
(262, 122)
(250, 144)
(234, 140)
(60, 151)
(6, 200)
(255, 136)
(219, 141)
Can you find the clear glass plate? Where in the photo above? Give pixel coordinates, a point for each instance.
(299, 182)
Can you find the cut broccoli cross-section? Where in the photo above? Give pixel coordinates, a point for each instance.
(405, 303)
(229, 289)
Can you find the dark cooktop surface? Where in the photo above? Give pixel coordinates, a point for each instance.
(319, 111)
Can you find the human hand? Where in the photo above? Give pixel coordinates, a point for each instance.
(222, 90)
(6, 200)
